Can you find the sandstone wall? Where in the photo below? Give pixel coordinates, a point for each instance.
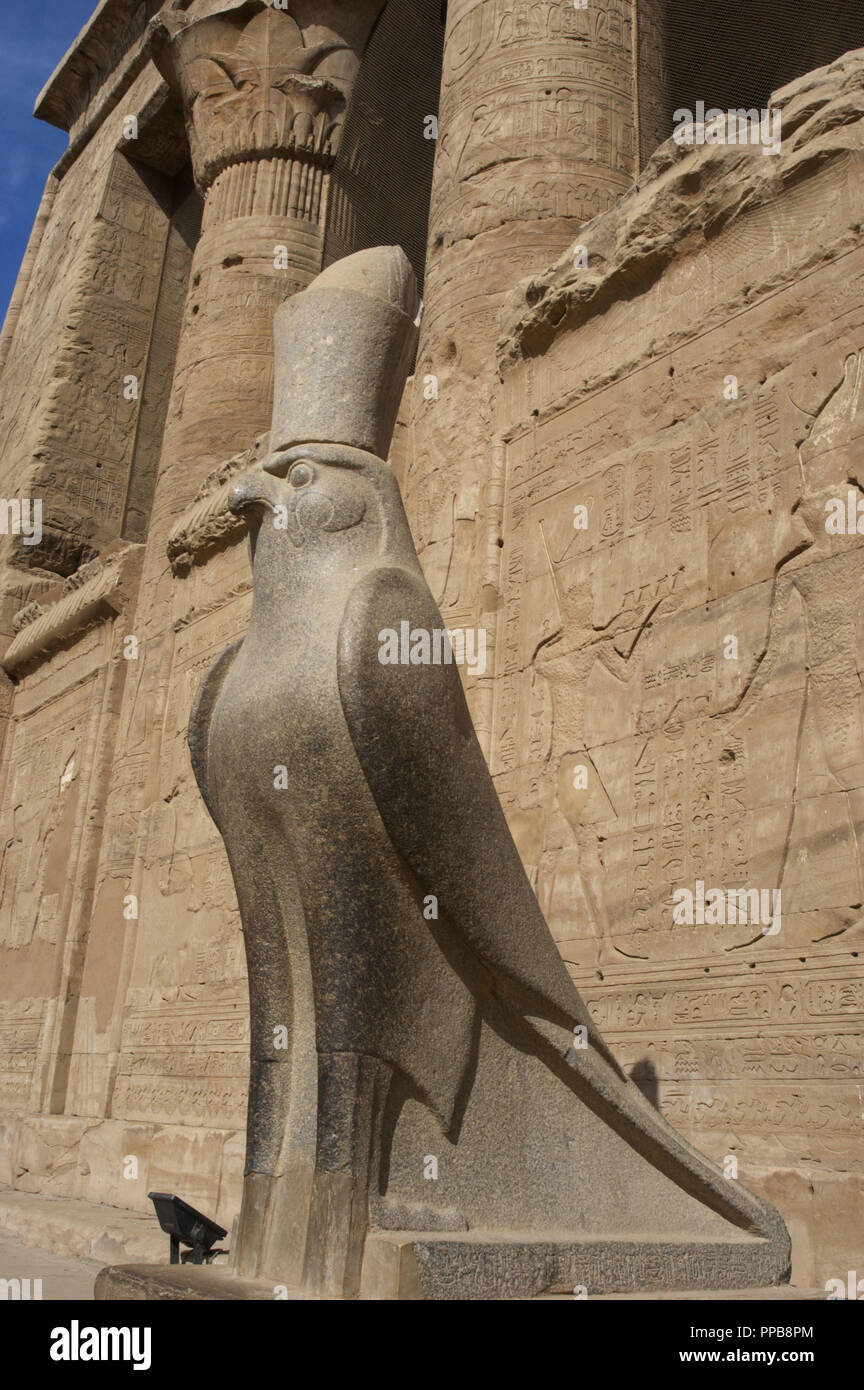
(124, 1010)
(102, 301)
(123, 1019)
(676, 691)
(544, 111)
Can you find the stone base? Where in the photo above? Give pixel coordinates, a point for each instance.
(164, 1283)
(405, 1265)
(487, 1265)
(785, 1294)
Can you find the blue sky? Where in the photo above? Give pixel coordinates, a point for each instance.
(34, 35)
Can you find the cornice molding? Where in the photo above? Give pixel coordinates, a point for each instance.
(95, 593)
(208, 525)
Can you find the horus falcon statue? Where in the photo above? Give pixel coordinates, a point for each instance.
(421, 1061)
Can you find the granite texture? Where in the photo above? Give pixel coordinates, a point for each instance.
(407, 999)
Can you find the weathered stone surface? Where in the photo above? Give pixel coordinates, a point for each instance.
(401, 1280)
(183, 1283)
(257, 82)
(83, 1230)
(722, 261)
(410, 1266)
(637, 752)
(351, 794)
(345, 386)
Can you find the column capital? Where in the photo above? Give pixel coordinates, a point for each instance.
(260, 81)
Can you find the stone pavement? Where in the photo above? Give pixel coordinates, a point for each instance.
(81, 1230)
(62, 1277)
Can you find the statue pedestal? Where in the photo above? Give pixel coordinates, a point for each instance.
(422, 1265)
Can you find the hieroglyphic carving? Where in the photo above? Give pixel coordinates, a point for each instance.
(91, 404)
(161, 845)
(805, 1055)
(542, 82)
(665, 530)
(185, 1063)
(704, 424)
(43, 778)
(22, 1027)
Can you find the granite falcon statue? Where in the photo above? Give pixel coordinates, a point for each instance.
(392, 936)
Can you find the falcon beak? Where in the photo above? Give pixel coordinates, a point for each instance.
(254, 489)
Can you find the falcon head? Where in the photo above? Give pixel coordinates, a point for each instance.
(317, 500)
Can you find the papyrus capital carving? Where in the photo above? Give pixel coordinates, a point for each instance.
(261, 82)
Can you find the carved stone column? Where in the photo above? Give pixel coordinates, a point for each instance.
(541, 109)
(264, 92)
(544, 109)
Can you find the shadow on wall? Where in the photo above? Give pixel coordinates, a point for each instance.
(644, 1075)
(731, 55)
(382, 178)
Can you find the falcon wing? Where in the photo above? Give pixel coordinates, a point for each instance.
(415, 740)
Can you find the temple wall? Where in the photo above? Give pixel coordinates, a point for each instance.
(540, 117)
(636, 750)
(85, 322)
(676, 694)
(125, 1016)
(102, 302)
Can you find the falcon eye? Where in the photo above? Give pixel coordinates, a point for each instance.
(300, 475)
